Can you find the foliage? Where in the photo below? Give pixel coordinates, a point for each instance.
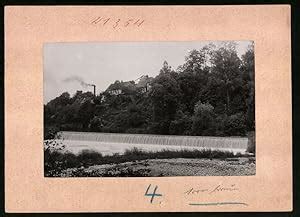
(235, 123)
(203, 119)
(89, 157)
(211, 93)
(182, 124)
(54, 160)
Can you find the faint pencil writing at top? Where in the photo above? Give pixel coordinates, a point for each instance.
(117, 22)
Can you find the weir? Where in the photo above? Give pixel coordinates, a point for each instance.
(168, 140)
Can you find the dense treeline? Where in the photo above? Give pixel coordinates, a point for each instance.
(210, 94)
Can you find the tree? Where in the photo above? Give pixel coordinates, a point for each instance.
(85, 114)
(203, 119)
(211, 93)
(166, 68)
(248, 74)
(226, 73)
(96, 124)
(235, 125)
(182, 124)
(193, 77)
(194, 61)
(165, 97)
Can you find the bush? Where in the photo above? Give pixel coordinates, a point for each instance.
(236, 125)
(89, 157)
(55, 159)
(56, 162)
(50, 132)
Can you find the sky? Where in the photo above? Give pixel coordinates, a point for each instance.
(104, 62)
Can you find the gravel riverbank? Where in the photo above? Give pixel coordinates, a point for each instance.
(243, 166)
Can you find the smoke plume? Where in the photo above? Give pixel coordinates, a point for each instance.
(79, 80)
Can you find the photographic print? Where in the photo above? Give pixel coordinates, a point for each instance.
(189, 110)
(149, 109)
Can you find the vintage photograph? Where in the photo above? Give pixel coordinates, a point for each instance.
(149, 109)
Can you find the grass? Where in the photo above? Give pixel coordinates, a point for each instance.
(56, 161)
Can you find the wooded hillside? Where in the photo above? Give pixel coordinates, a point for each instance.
(210, 94)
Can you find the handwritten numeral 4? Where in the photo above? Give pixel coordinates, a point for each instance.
(153, 194)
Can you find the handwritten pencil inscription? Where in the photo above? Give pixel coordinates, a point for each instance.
(117, 22)
(202, 191)
(215, 189)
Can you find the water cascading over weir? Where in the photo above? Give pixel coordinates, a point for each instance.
(207, 142)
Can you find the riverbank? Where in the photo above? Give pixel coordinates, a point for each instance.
(242, 166)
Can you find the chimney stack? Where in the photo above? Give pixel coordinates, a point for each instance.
(94, 89)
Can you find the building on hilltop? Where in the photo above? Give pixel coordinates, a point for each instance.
(144, 83)
(120, 87)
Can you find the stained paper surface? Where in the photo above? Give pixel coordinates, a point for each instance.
(28, 28)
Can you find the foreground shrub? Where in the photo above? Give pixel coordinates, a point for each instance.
(89, 157)
(50, 132)
(138, 154)
(56, 161)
